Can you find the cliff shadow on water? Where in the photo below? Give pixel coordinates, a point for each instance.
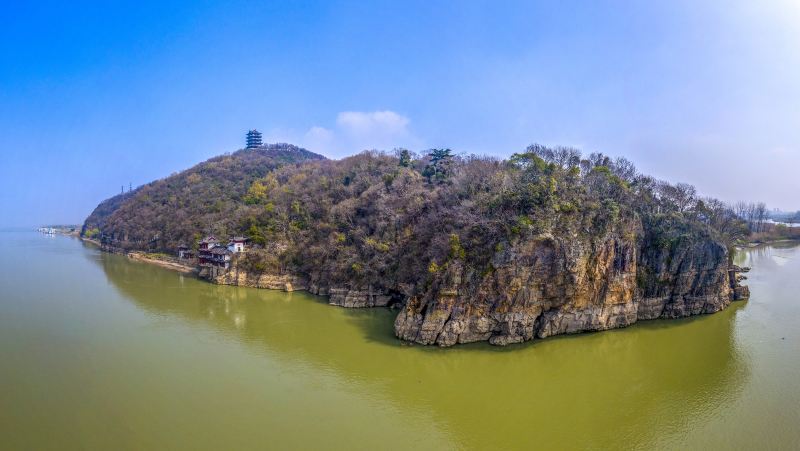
(640, 386)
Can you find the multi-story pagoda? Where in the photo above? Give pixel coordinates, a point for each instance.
(253, 139)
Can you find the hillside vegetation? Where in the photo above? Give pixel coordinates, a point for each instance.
(376, 218)
(208, 198)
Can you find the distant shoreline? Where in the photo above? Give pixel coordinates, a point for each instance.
(752, 244)
(68, 230)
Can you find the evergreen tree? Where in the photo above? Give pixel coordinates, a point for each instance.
(438, 167)
(405, 158)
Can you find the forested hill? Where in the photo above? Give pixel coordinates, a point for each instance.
(471, 248)
(208, 198)
(362, 215)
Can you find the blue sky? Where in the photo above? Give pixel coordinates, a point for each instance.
(94, 96)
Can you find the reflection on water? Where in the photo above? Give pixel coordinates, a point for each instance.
(641, 386)
(103, 352)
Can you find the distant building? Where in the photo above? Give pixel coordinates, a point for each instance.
(221, 257)
(253, 139)
(236, 244)
(184, 252)
(211, 252)
(207, 243)
(204, 248)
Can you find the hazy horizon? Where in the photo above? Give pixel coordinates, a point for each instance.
(95, 97)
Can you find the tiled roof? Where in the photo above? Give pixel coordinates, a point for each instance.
(220, 251)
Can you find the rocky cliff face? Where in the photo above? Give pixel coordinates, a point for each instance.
(550, 286)
(545, 286)
(241, 278)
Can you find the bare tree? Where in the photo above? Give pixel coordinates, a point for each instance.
(686, 196)
(566, 157)
(624, 169)
(740, 208)
(760, 216)
(541, 151)
(681, 197)
(598, 159)
(754, 213)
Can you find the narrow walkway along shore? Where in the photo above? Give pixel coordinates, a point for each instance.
(91, 240)
(140, 256)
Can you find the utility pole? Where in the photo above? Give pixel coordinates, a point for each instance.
(130, 187)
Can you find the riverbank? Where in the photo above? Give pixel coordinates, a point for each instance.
(161, 260)
(772, 233)
(91, 240)
(541, 325)
(767, 242)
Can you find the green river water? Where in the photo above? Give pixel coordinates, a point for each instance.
(100, 352)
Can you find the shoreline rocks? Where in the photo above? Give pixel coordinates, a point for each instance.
(538, 288)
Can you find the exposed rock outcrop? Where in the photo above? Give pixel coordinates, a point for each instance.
(237, 277)
(343, 297)
(543, 287)
(552, 286)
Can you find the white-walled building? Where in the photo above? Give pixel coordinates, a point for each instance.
(237, 244)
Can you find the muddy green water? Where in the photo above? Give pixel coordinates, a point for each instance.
(99, 352)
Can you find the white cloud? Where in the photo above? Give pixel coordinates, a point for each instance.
(375, 124)
(355, 131)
